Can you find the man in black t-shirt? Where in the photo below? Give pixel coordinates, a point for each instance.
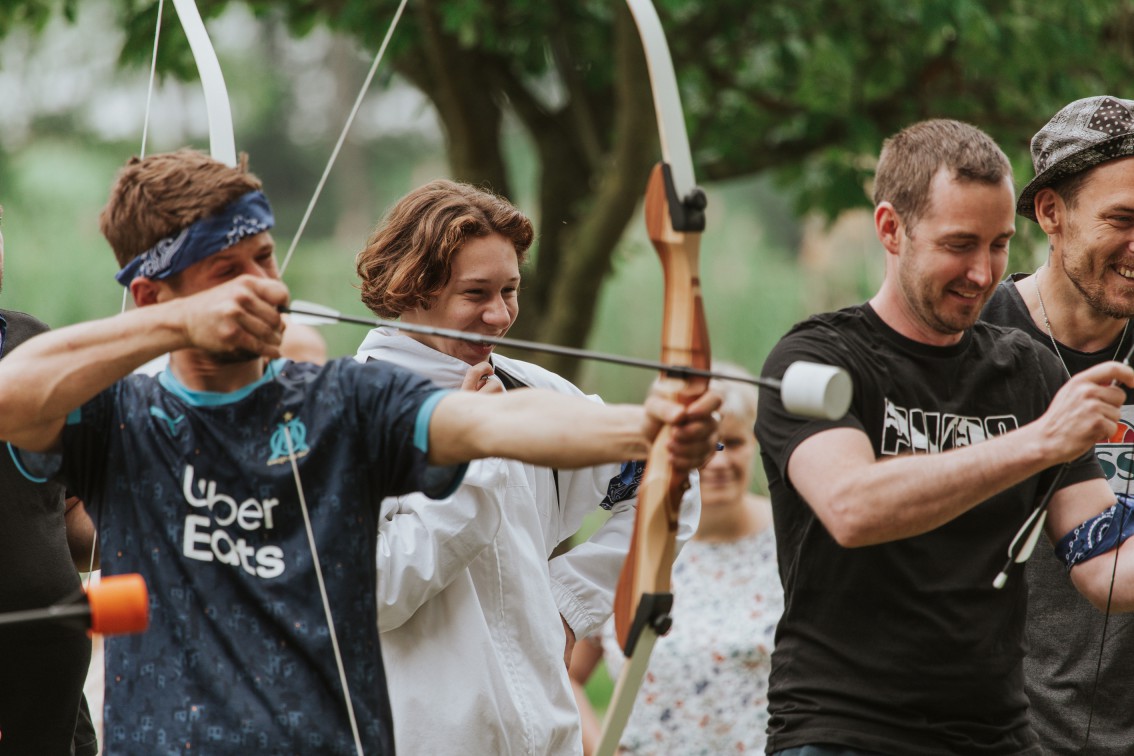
(892, 522)
(1078, 306)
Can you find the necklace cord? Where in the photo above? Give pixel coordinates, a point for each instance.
(1121, 523)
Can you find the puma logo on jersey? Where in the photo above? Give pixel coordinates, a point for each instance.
(172, 423)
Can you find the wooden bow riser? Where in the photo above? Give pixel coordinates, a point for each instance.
(643, 595)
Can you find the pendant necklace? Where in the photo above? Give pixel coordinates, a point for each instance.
(1054, 343)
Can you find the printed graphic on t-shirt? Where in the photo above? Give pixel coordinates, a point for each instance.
(1116, 454)
(920, 431)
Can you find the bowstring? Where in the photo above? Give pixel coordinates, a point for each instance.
(342, 137)
(322, 589)
(287, 433)
(126, 290)
(150, 86)
(1110, 590)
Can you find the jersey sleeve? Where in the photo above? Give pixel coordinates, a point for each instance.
(396, 406)
(83, 465)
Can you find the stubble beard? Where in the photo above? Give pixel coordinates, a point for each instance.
(1093, 292)
(925, 300)
(234, 357)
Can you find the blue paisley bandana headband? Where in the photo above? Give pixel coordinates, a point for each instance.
(247, 216)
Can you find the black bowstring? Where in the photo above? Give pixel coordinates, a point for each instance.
(1110, 591)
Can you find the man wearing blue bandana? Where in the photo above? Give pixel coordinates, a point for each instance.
(245, 488)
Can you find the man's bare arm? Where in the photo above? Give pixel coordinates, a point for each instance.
(56, 372)
(1073, 506)
(862, 500)
(555, 430)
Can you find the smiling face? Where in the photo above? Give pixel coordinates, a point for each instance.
(1093, 238)
(481, 296)
(725, 479)
(949, 263)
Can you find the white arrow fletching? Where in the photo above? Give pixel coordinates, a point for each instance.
(1028, 530)
(1030, 544)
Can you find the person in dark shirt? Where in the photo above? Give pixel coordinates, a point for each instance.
(42, 670)
(893, 522)
(1078, 306)
(245, 487)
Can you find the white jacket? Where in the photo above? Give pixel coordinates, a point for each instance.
(469, 605)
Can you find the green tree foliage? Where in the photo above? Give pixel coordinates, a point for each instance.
(806, 89)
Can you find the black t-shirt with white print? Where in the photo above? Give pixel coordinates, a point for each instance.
(906, 647)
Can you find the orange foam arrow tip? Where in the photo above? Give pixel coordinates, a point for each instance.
(119, 604)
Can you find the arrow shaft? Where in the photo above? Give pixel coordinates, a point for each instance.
(46, 614)
(536, 346)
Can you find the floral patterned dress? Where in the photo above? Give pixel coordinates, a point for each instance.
(706, 691)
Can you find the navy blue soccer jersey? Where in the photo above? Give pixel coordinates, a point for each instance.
(195, 491)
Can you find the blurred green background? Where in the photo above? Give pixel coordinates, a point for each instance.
(547, 103)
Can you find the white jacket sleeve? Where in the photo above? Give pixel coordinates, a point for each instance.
(423, 544)
(583, 580)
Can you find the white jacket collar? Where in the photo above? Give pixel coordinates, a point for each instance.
(391, 345)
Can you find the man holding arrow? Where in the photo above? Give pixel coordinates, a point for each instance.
(891, 523)
(235, 481)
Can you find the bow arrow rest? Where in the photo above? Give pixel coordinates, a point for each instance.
(807, 388)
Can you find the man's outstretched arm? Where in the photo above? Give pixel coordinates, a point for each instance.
(555, 430)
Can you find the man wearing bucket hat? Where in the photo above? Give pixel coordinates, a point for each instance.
(1078, 305)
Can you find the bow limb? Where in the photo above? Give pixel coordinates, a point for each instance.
(222, 142)
(674, 210)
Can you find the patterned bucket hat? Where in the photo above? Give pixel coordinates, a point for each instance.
(1082, 135)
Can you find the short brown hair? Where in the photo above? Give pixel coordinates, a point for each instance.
(409, 257)
(157, 196)
(911, 158)
(1069, 187)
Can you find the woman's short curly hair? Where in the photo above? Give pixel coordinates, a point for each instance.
(157, 196)
(409, 257)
